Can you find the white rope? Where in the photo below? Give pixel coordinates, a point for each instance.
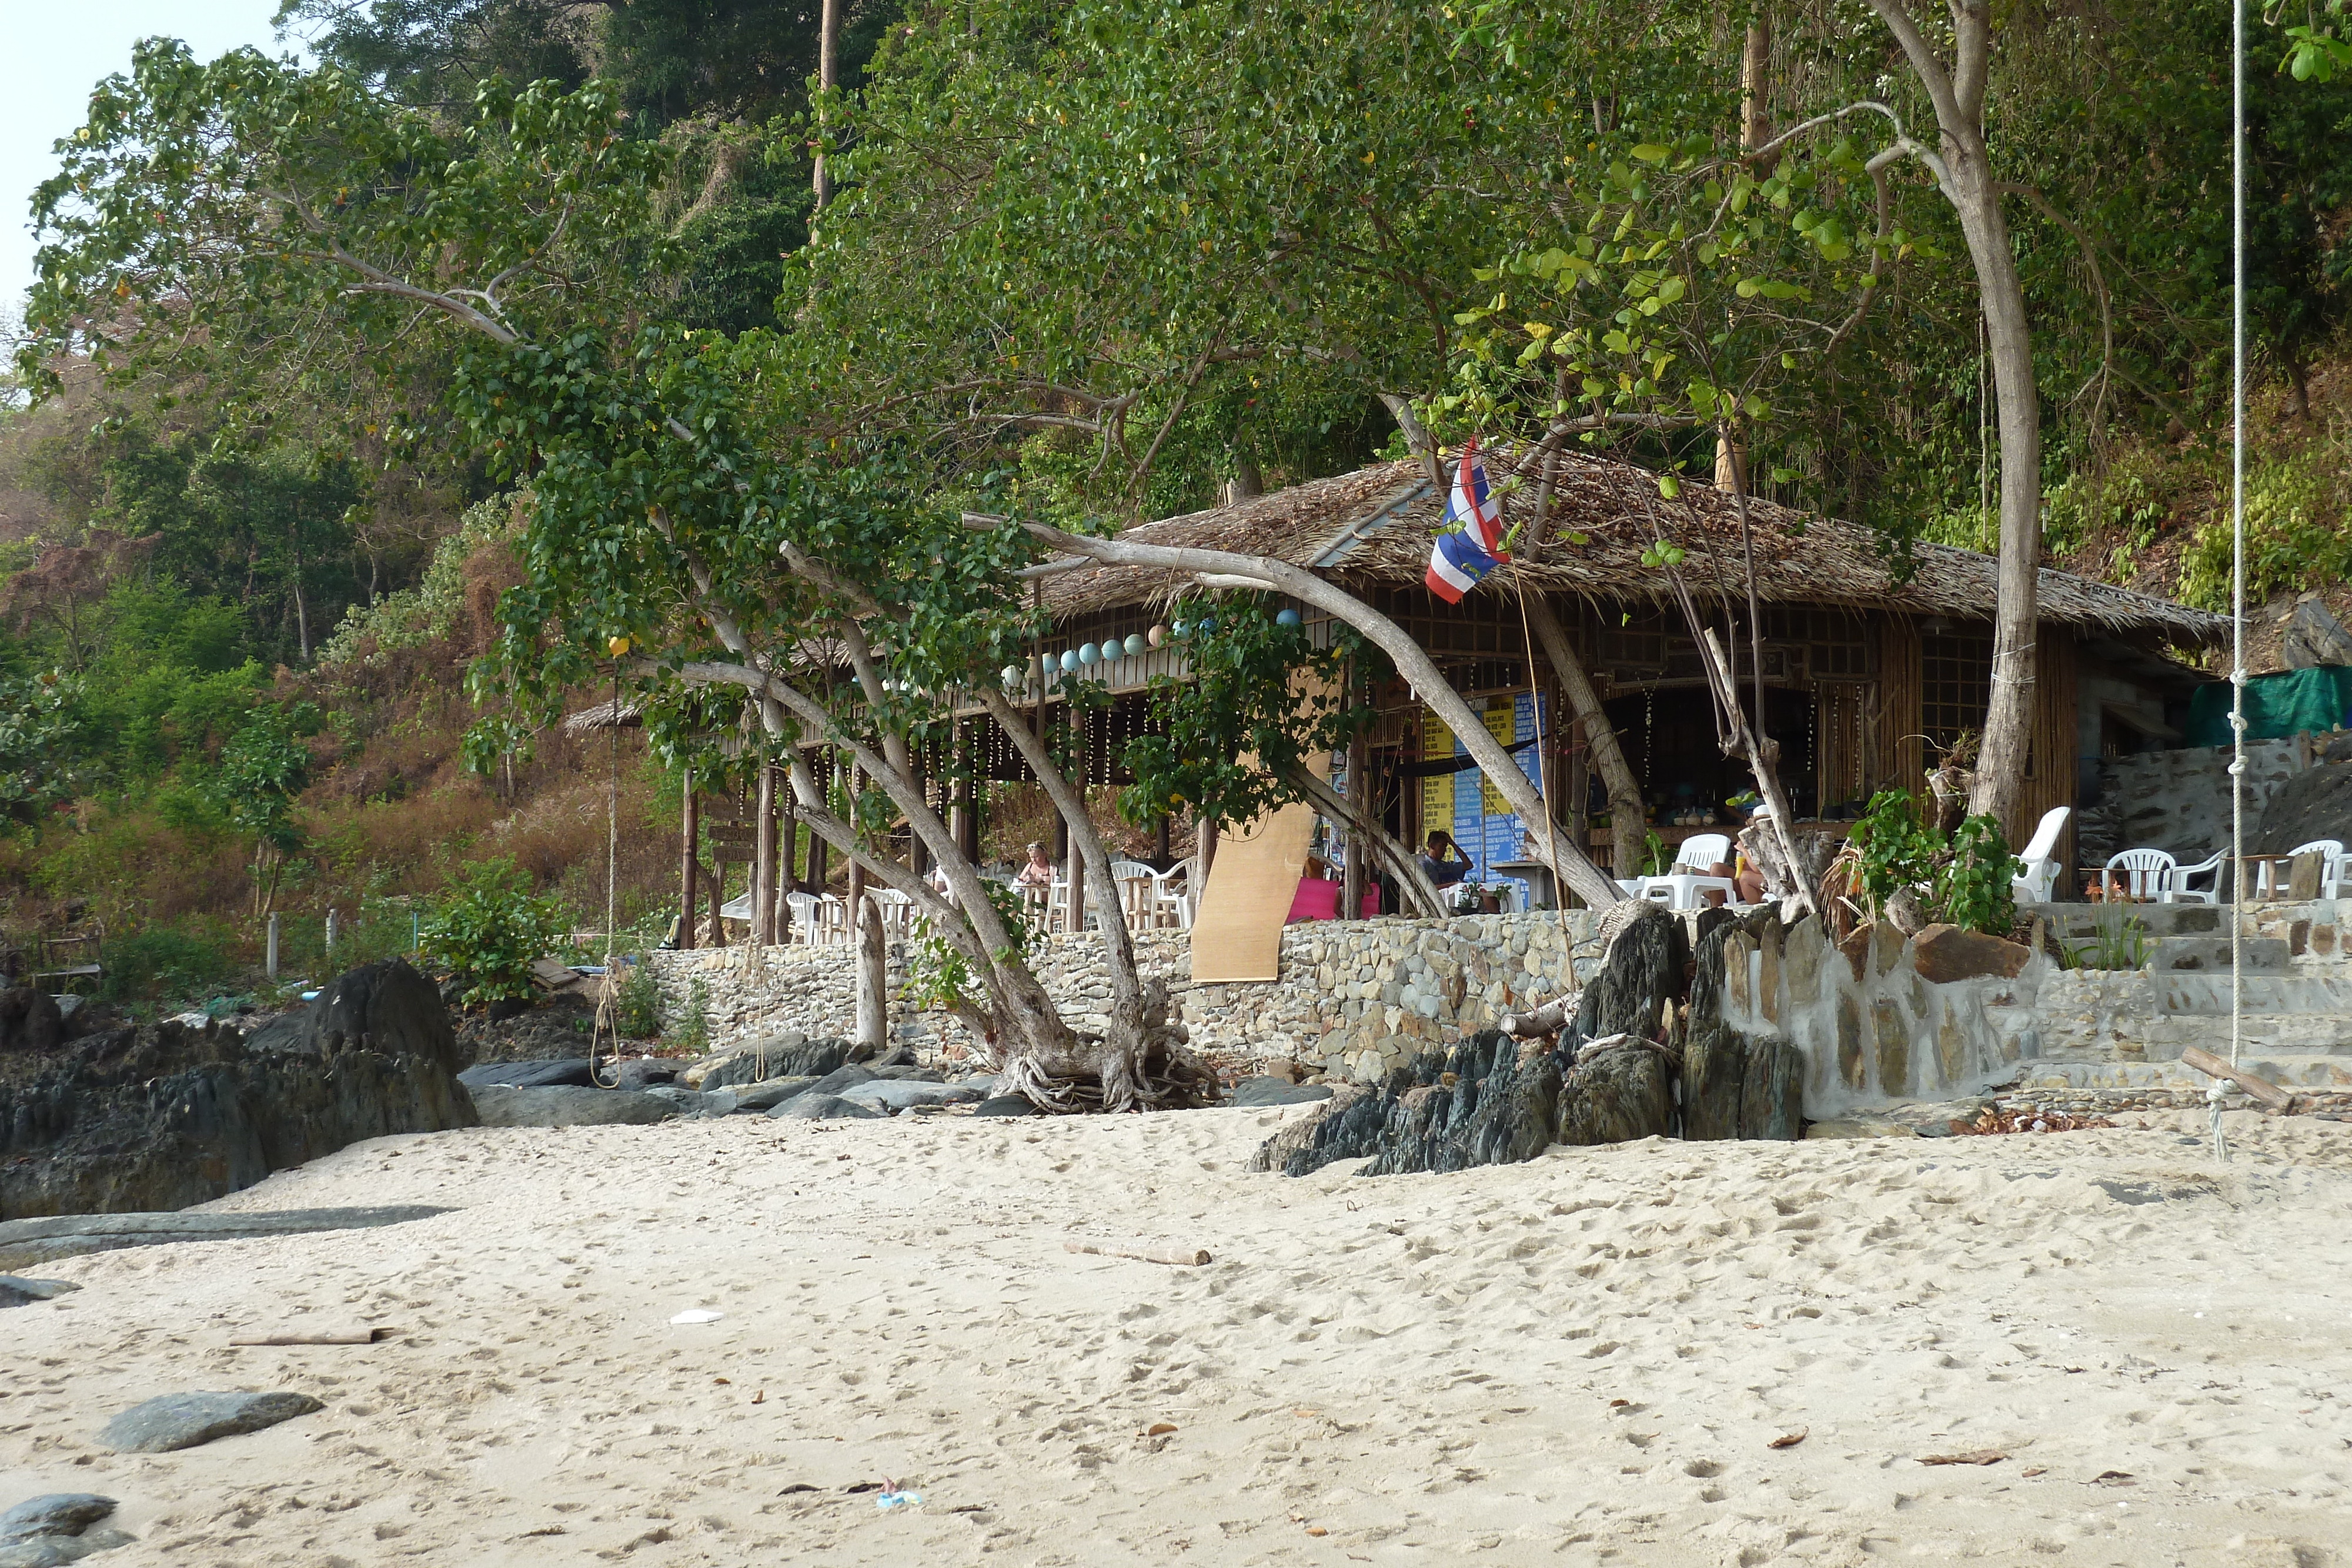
(2237, 557)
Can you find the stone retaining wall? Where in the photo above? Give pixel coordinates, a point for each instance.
(1357, 999)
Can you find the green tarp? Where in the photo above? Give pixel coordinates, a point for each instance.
(2285, 703)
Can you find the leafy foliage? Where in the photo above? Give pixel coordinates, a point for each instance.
(490, 929)
(636, 1004)
(1258, 701)
(1964, 881)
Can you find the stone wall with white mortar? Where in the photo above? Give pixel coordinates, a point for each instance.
(1356, 999)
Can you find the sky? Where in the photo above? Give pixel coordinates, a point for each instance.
(52, 52)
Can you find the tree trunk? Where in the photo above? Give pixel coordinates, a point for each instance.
(1964, 174)
(828, 49)
(1142, 1062)
(763, 861)
(687, 866)
(873, 976)
(1755, 130)
(1625, 807)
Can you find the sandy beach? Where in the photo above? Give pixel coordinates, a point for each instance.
(1583, 1359)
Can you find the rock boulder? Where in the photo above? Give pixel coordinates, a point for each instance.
(1943, 954)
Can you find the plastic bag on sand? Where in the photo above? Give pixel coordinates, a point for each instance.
(890, 1499)
(697, 1315)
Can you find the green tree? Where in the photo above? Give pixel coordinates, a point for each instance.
(488, 930)
(262, 769)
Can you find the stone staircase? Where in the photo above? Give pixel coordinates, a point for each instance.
(2125, 1029)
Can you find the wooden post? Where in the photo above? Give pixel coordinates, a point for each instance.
(330, 931)
(1160, 843)
(685, 864)
(788, 833)
(1204, 853)
(1077, 872)
(1360, 850)
(856, 872)
(717, 899)
(763, 861)
(271, 963)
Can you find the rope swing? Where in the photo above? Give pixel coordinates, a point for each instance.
(2219, 1087)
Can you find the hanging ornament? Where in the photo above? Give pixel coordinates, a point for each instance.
(1135, 644)
(1089, 655)
(1156, 636)
(1011, 673)
(1287, 618)
(1070, 663)
(1180, 629)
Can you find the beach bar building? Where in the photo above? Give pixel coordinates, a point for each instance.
(1868, 670)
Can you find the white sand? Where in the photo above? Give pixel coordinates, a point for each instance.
(1423, 1368)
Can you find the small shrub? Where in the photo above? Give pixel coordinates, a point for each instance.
(636, 1005)
(694, 1028)
(487, 934)
(162, 962)
(1963, 881)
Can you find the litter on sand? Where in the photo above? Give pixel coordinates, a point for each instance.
(697, 1315)
(888, 1501)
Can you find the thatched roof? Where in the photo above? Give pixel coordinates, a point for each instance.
(1374, 528)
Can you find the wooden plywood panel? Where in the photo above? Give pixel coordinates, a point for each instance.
(1237, 929)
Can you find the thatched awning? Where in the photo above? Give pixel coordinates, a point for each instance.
(614, 713)
(1372, 528)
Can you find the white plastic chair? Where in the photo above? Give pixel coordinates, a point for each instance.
(897, 911)
(1687, 878)
(807, 912)
(2176, 884)
(2154, 874)
(1171, 897)
(2145, 872)
(2037, 881)
(2331, 864)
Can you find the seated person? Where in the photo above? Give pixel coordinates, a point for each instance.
(1445, 860)
(1038, 872)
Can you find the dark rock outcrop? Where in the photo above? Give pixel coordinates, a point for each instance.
(29, 1019)
(790, 1055)
(2316, 803)
(569, 1105)
(1620, 1090)
(1773, 1094)
(29, 1243)
(175, 1421)
(167, 1115)
(562, 1071)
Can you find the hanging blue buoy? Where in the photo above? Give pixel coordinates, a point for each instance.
(1180, 628)
(1135, 643)
(1206, 623)
(1070, 663)
(1089, 655)
(1287, 618)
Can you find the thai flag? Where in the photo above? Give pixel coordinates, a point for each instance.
(1472, 545)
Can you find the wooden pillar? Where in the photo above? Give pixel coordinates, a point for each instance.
(1077, 872)
(717, 898)
(685, 864)
(1352, 878)
(817, 870)
(788, 833)
(1205, 853)
(856, 872)
(763, 860)
(1160, 843)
